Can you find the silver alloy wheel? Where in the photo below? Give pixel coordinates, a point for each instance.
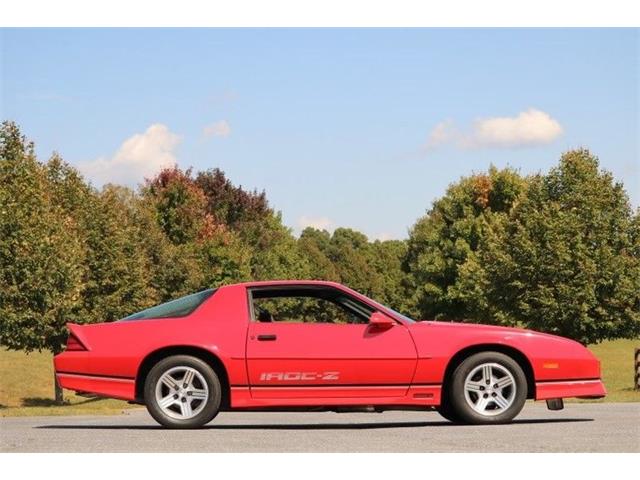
(182, 392)
(490, 389)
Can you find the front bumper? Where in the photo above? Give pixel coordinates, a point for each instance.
(592, 388)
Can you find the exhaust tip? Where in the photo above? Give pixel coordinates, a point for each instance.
(555, 404)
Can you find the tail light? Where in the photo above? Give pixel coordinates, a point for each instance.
(74, 345)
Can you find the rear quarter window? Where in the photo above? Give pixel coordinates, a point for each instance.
(180, 307)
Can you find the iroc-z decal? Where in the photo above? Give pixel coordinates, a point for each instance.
(289, 376)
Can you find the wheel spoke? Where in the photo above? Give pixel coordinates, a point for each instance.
(504, 382)
(185, 407)
(169, 382)
(166, 401)
(486, 374)
(501, 401)
(474, 386)
(198, 394)
(481, 404)
(188, 378)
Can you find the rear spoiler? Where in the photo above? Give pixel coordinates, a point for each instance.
(78, 332)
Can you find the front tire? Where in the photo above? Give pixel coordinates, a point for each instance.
(182, 392)
(488, 388)
(447, 412)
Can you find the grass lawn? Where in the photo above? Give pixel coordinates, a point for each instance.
(616, 359)
(26, 386)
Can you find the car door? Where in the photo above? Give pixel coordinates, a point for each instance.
(323, 358)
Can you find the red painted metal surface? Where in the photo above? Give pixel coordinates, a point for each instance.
(310, 364)
(575, 388)
(121, 388)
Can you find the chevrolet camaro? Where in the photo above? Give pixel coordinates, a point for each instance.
(313, 345)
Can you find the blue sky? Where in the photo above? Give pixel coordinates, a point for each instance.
(360, 127)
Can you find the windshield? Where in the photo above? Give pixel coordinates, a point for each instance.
(180, 307)
(381, 307)
(404, 317)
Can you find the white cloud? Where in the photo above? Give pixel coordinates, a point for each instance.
(140, 156)
(531, 127)
(320, 223)
(442, 133)
(217, 129)
(528, 128)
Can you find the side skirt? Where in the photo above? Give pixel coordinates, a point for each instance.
(246, 397)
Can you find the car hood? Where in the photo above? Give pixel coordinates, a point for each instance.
(460, 328)
(469, 326)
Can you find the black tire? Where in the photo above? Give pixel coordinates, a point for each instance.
(209, 408)
(501, 363)
(446, 411)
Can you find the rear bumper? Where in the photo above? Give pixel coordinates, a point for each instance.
(113, 387)
(591, 388)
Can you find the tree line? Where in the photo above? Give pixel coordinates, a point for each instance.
(557, 251)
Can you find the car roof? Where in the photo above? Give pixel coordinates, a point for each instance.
(284, 283)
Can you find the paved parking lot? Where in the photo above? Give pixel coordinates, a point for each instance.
(604, 427)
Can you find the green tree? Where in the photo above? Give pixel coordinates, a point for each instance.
(115, 268)
(204, 251)
(117, 271)
(349, 251)
(314, 247)
(180, 206)
(347, 256)
(274, 250)
(386, 259)
(441, 242)
(41, 253)
(566, 260)
(174, 270)
(230, 205)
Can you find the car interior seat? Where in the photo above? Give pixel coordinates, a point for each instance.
(265, 316)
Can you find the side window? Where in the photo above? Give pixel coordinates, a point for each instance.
(307, 305)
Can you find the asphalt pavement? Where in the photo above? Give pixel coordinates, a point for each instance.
(604, 427)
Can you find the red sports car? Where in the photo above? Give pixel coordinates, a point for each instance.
(317, 345)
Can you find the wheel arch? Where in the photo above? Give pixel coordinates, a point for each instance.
(205, 355)
(517, 355)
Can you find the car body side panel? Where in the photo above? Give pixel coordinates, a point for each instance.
(121, 388)
(551, 358)
(322, 355)
(416, 395)
(116, 350)
(72, 362)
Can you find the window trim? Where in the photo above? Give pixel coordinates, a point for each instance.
(302, 286)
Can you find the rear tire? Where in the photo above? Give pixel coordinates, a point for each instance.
(447, 412)
(488, 388)
(182, 392)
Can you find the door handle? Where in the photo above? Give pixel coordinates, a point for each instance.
(266, 338)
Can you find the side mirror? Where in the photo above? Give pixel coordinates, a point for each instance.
(381, 321)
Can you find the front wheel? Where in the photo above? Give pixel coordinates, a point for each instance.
(182, 392)
(488, 387)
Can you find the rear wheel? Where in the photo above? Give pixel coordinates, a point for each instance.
(182, 392)
(447, 412)
(488, 387)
